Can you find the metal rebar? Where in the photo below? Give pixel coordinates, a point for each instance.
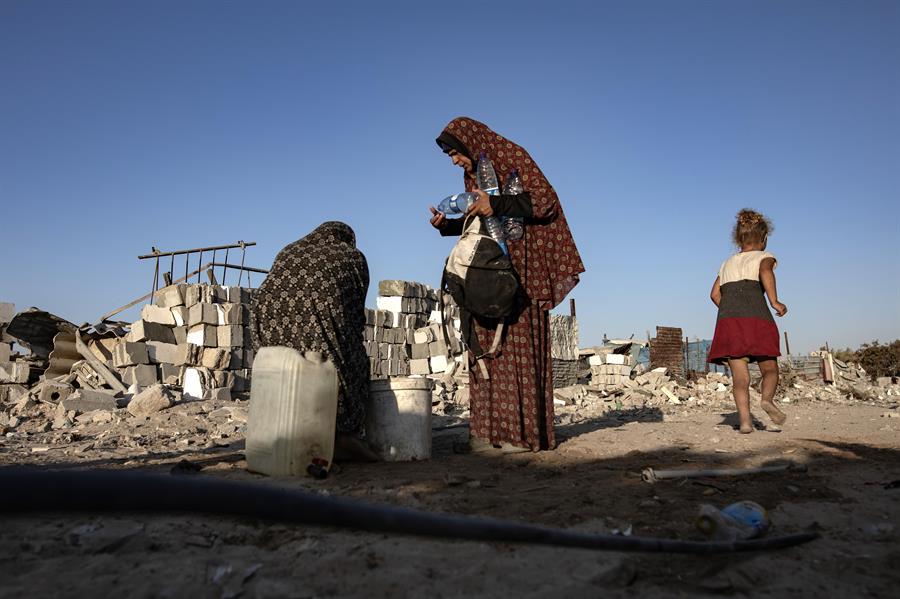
(199, 261)
(236, 267)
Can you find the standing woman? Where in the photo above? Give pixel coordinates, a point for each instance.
(313, 299)
(513, 409)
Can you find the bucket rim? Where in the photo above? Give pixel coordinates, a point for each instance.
(401, 384)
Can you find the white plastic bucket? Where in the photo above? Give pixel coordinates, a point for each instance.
(293, 409)
(398, 419)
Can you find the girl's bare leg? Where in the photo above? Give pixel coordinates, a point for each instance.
(769, 370)
(740, 384)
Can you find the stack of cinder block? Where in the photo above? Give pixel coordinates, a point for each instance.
(610, 371)
(12, 372)
(195, 336)
(404, 335)
(564, 350)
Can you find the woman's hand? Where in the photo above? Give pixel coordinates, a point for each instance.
(438, 220)
(482, 206)
(780, 309)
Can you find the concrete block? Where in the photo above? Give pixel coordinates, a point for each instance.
(422, 366)
(194, 355)
(10, 393)
(196, 381)
(392, 304)
(229, 314)
(153, 399)
(169, 297)
(203, 335)
(438, 348)
(248, 358)
(128, 353)
(180, 334)
(424, 335)
(615, 359)
(50, 391)
(202, 313)
(223, 378)
(216, 358)
(170, 374)
(438, 363)
(143, 330)
(7, 313)
(191, 295)
(236, 359)
(142, 375)
(14, 372)
(5, 352)
(884, 381)
(88, 400)
(237, 295)
(230, 336)
(219, 393)
(167, 353)
(151, 313)
(180, 314)
(213, 294)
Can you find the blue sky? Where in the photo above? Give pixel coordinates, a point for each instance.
(126, 125)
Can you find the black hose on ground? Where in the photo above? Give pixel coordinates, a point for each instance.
(28, 490)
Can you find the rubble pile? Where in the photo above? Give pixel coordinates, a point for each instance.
(194, 336)
(621, 387)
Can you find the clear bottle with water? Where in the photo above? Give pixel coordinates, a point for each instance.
(738, 521)
(487, 181)
(457, 203)
(513, 226)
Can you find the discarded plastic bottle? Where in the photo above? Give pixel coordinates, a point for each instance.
(513, 226)
(739, 521)
(457, 203)
(487, 181)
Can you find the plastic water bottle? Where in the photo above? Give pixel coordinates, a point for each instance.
(487, 181)
(738, 521)
(457, 203)
(513, 226)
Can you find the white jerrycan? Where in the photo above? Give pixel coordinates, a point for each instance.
(293, 409)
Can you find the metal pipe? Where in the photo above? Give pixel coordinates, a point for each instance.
(236, 267)
(239, 244)
(649, 475)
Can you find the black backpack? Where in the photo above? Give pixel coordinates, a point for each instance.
(482, 281)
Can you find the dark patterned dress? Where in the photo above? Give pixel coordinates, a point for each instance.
(516, 404)
(313, 299)
(744, 327)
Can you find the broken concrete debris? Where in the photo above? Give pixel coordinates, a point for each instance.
(152, 399)
(193, 344)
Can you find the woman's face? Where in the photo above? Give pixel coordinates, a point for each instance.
(461, 161)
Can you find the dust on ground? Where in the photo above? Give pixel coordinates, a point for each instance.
(592, 482)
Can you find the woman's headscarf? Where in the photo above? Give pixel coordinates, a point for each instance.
(548, 264)
(313, 299)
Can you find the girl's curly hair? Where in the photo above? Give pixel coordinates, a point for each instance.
(751, 227)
